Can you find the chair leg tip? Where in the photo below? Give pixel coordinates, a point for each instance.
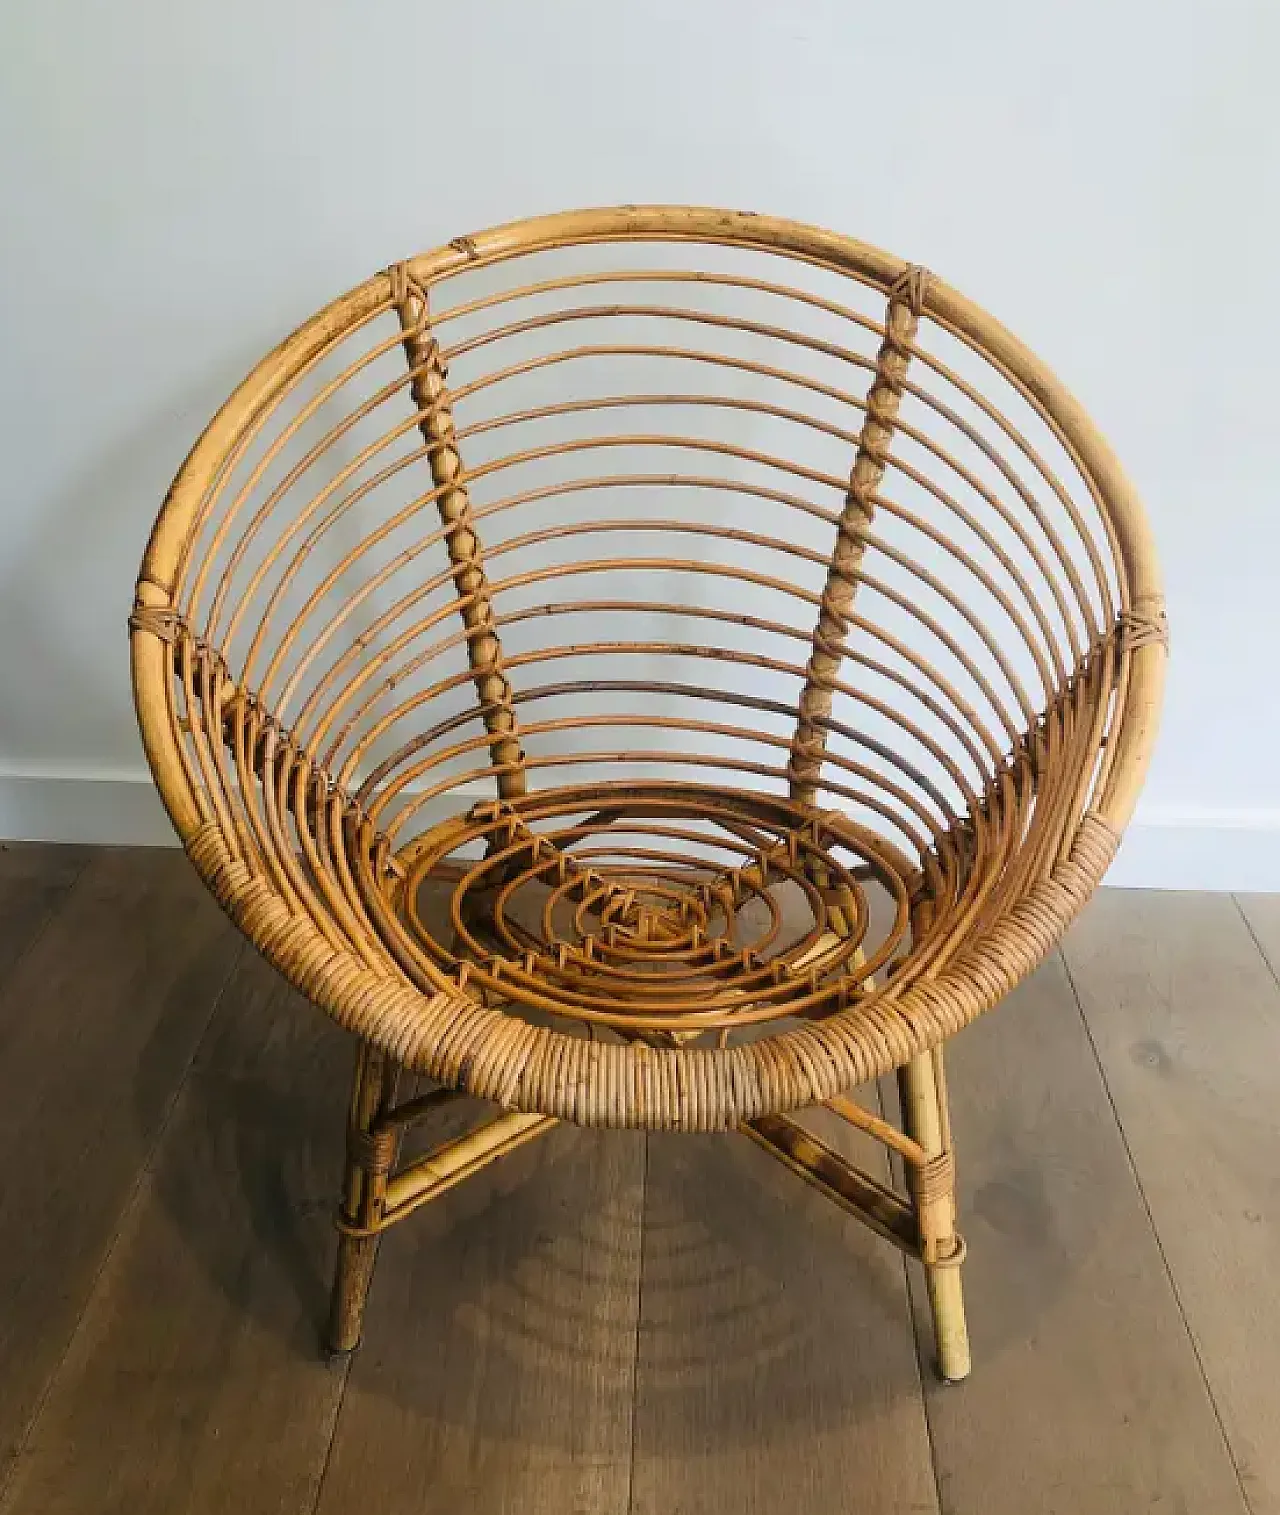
(336, 1357)
(954, 1371)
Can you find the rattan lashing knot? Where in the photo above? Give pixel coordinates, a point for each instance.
(398, 274)
(159, 620)
(954, 1256)
(934, 1179)
(1144, 624)
(420, 341)
(911, 287)
(373, 1152)
(349, 1227)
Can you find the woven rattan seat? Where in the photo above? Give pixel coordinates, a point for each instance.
(651, 667)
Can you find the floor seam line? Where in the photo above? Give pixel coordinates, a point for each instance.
(1156, 1237)
(918, 1353)
(331, 1442)
(146, 1169)
(635, 1363)
(1262, 951)
(42, 930)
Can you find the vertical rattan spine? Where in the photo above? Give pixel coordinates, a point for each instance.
(431, 396)
(902, 318)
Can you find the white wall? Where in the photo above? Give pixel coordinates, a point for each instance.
(181, 183)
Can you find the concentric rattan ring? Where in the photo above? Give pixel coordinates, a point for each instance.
(653, 938)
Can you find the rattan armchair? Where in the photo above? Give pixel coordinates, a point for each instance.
(651, 667)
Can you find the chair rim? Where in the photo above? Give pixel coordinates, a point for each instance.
(687, 1087)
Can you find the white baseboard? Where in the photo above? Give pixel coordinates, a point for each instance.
(1200, 849)
(1163, 849)
(117, 809)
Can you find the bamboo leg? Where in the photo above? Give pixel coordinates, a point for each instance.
(927, 1121)
(364, 1185)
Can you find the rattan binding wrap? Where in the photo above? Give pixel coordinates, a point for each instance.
(607, 832)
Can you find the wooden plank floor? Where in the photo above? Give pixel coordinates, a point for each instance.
(615, 1323)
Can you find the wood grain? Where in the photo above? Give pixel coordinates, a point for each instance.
(34, 880)
(1086, 1395)
(98, 1020)
(499, 1342)
(195, 1381)
(775, 1364)
(1185, 1014)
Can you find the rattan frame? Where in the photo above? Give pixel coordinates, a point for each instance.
(325, 902)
